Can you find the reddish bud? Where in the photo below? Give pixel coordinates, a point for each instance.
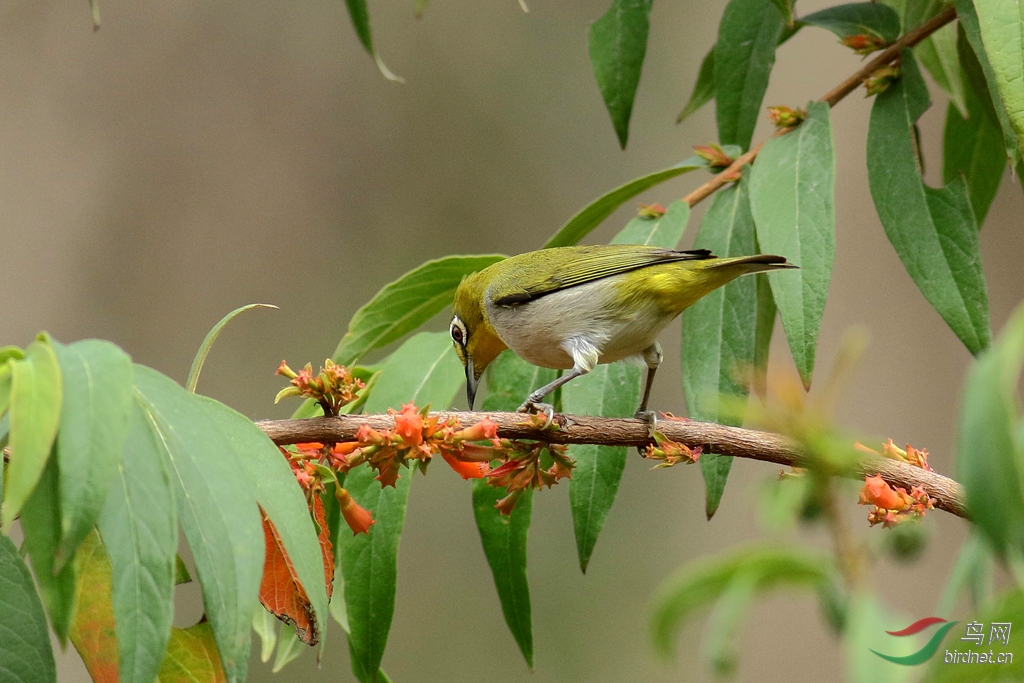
(714, 155)
(877, 492)
(864, 43)
(651, 211)
(285, 371)
(409, 425)
(784, 117)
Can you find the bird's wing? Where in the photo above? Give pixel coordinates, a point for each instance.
(547, 274)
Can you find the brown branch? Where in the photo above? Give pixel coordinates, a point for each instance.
(583, 429)
(832, 97)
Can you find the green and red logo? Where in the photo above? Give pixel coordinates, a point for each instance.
(930, 648)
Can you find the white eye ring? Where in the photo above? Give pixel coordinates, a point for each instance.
(458, 331)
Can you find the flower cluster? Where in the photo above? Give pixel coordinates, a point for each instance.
(864, 43)
(890, 505)
(311, 474)
(880, 79)
(785, 117)
(333, 388)
(670, 452)
(523, 470)
(911, 456)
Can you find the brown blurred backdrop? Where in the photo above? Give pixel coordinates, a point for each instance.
(192, 157)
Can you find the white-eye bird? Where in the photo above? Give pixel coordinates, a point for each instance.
(572, 308)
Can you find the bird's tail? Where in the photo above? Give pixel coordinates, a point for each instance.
(753, 264)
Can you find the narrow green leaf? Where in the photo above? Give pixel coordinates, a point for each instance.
(278, 493)
(665, 231)
(504, 538)
(97, 379)
(580, 225)
(1002, 32)
(720, 330)
(703, 89)
(866, 626)
(973, 146)
(972, 571)
(938, 54)
(265, 626)
(744, 56)
(423, 370)
(792, 197)
(705, 580)
(139, 528)
(5, 386)
(726, 618)
(405, 304)
(968, 18)
(618, 42)
(211, 337)
(289, 648)
(34, 415)
(989, 454)
(25, 654)
(360, 16)
(611, 390)
(217, 508)
(40, 520)
(785, 8)
(857, 18)
(933, 231)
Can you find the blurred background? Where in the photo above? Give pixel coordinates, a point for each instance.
(191, 157)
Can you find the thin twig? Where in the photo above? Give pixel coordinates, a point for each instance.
(832, 97)
(584, 429)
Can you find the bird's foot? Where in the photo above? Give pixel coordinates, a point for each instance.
(536, 407)
(651, 418)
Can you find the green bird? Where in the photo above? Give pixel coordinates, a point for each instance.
(572, 308)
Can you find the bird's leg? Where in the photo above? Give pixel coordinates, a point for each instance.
(533, 401)
(584, 357)
(652, 356)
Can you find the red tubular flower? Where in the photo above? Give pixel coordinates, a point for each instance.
(409, 425)
(484, 429)
(466, 470)
(368, 435)
(356, 516)
(507, 504)
(878, 493)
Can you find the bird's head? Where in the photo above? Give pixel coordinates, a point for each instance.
(475, 340)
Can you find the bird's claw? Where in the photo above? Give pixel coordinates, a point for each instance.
(534, 407)
(651, 418)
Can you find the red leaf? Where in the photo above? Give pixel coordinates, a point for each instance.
(280, 590)
(92, 624)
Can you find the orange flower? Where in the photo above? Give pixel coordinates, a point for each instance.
(409, 425)
(484, 429)
(878, 493)
(466, 470)
(356, 516)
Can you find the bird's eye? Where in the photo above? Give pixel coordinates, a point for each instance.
(457, 334)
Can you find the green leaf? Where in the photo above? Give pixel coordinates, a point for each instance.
(785, 8)
(97, 379)
(792, 197)
(211, 337)
(744, 57)
(1002, 32)
(289, 648)
(706, 580)
(973, 572)
(405, 304)
(360, 16)
(938, 54)
(703, 89)
(217, 508)
(40, 520)
(139, 528)
(10, 352)
(933, 231)
(265, 625)
(34, 415)
(423, 370)
(973, 146)
(618, 42)
(25, 654)
(588, 218)
(866, 626)
(5, 386)
(611, 390)
(720, 330)
(857, 18)
(504, 538)
(989, 454)
(720, 647)
(192, 656)
(968, 18)
(282, 499)
(665, 231)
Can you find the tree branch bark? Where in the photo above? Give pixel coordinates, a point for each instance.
(585, 429)
(832, 97)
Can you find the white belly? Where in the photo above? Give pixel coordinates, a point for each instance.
(542, 331)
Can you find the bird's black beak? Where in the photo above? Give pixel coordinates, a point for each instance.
(471, 382)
